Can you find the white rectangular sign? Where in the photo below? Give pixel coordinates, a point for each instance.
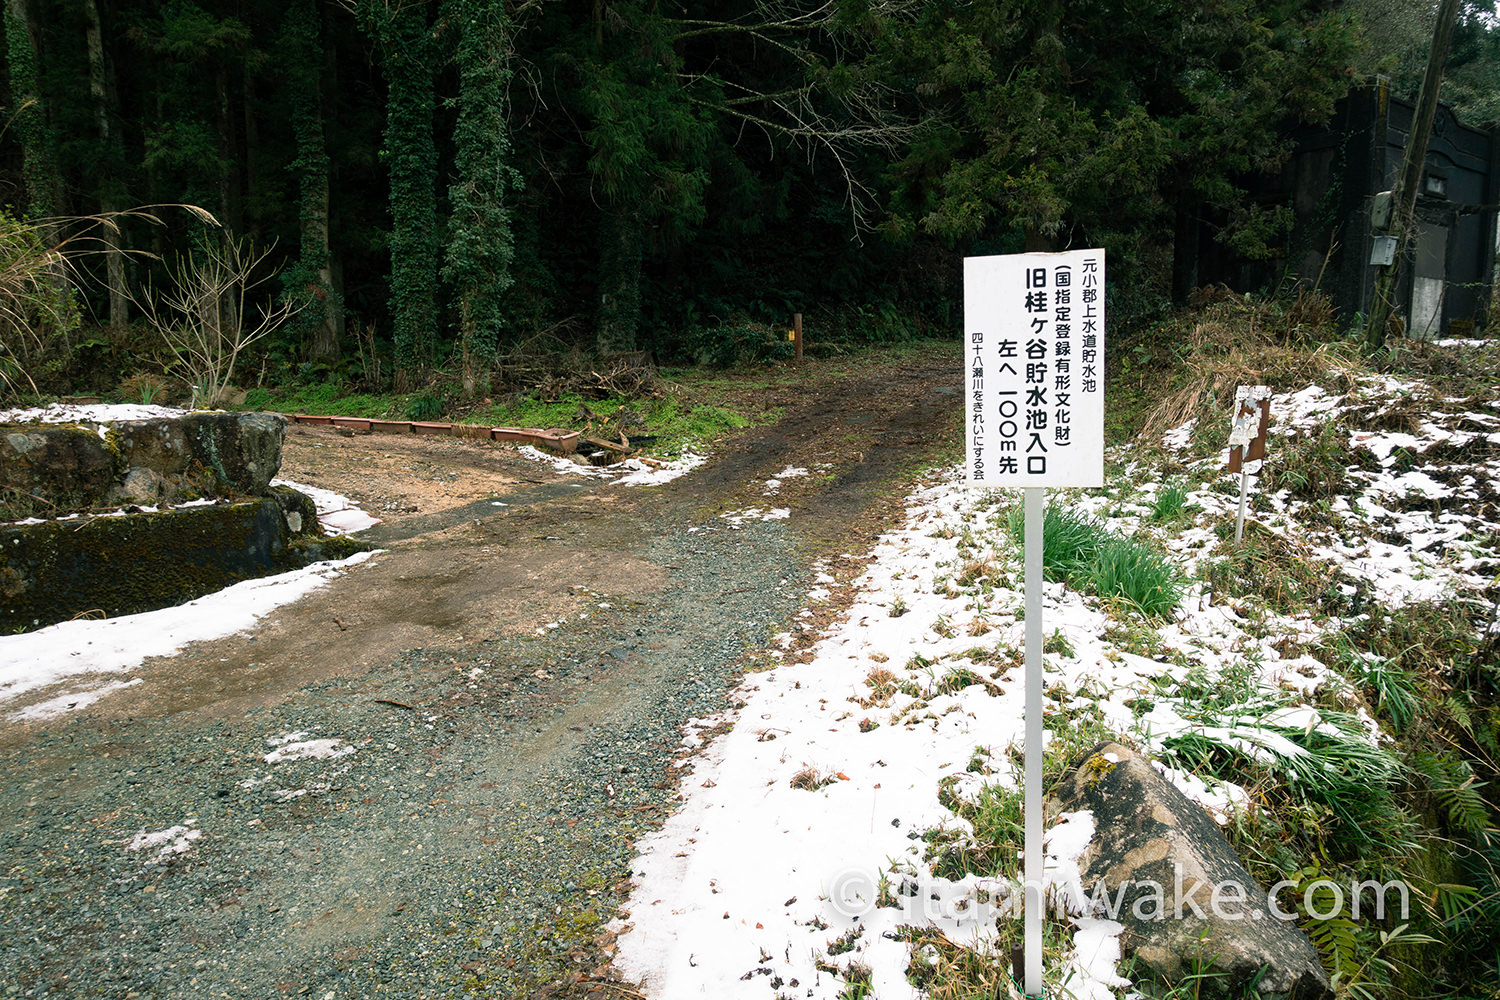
(1034, 367)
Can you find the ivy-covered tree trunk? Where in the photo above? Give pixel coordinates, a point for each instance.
(102, 90)
(620, 256)
(411, 157)
(481, 244)
(29, 122)
(314, 272)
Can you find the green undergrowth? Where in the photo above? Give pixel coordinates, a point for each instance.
(329, 399)
(1331, 800)
(671, 424)
(1084, 553)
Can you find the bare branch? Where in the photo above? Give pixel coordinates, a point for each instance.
(203, 314)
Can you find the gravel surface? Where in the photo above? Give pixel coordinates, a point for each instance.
(457, 820)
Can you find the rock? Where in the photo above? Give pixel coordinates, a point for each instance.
(50, 469)
(46, 467)
(1177, 885)
(210, 453)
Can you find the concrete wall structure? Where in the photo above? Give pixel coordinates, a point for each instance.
(1330, 182)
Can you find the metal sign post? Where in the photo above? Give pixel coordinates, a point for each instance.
(1034, 418)
(1036, 510)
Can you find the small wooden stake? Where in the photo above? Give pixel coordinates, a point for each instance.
(797, 336)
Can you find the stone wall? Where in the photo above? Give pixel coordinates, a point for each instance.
(52, 469)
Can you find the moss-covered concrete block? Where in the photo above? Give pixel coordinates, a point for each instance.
(50, 469)
(119, 565)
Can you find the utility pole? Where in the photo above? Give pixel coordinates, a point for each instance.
(1409, 182)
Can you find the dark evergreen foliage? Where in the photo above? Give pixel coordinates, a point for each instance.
(627, 174)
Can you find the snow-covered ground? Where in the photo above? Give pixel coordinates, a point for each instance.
(631, 472)
(87, 660)
(769, 877)
(767, 881)
(92, 658)
(93, 413)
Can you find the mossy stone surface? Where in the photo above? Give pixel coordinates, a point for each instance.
(51, 469)
(55, 468)
(59, 570)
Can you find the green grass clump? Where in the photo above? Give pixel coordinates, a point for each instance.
(1128, 571)
(1170, 503)
(1334, 766)
(424, 407)
(1080, 551)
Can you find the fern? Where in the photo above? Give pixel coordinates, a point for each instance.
(1332, 932)
(1468, 811)
(1453, 784)
(1459, 712)
(1337, 941)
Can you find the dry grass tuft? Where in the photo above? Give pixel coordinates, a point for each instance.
(809, 780)
(883, 685)
(1232, 341)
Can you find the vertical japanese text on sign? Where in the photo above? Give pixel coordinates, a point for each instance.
(1034, 354)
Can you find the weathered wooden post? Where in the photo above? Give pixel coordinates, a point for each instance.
(1248, 426)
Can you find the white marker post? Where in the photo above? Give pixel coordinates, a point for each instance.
(1034, 418)
(1247, 441)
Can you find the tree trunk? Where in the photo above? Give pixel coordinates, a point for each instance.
(619, 281)
(480, 247)
(1185, 245)
(411, 153)
(1409, 182)
(304, 27)
(315, 200)
(102, 90)
(252, 140)
(29, 119)
(227, 201)
(332, 273)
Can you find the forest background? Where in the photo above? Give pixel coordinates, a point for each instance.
(445, 184)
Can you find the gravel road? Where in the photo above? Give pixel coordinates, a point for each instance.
(435, 800)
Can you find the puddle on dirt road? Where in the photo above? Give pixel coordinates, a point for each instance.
(382, 534)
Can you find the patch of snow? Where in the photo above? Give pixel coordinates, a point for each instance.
(34, 660)
(639, 473)
(336, 513)
(166, 843)
(737, 518)
(310, 750)
(68, 413)
(631, 472)
(70, 701)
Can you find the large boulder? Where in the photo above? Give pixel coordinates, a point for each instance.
(1169, 876)
(50, 469)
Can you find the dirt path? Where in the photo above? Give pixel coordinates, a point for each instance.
(498, 696)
